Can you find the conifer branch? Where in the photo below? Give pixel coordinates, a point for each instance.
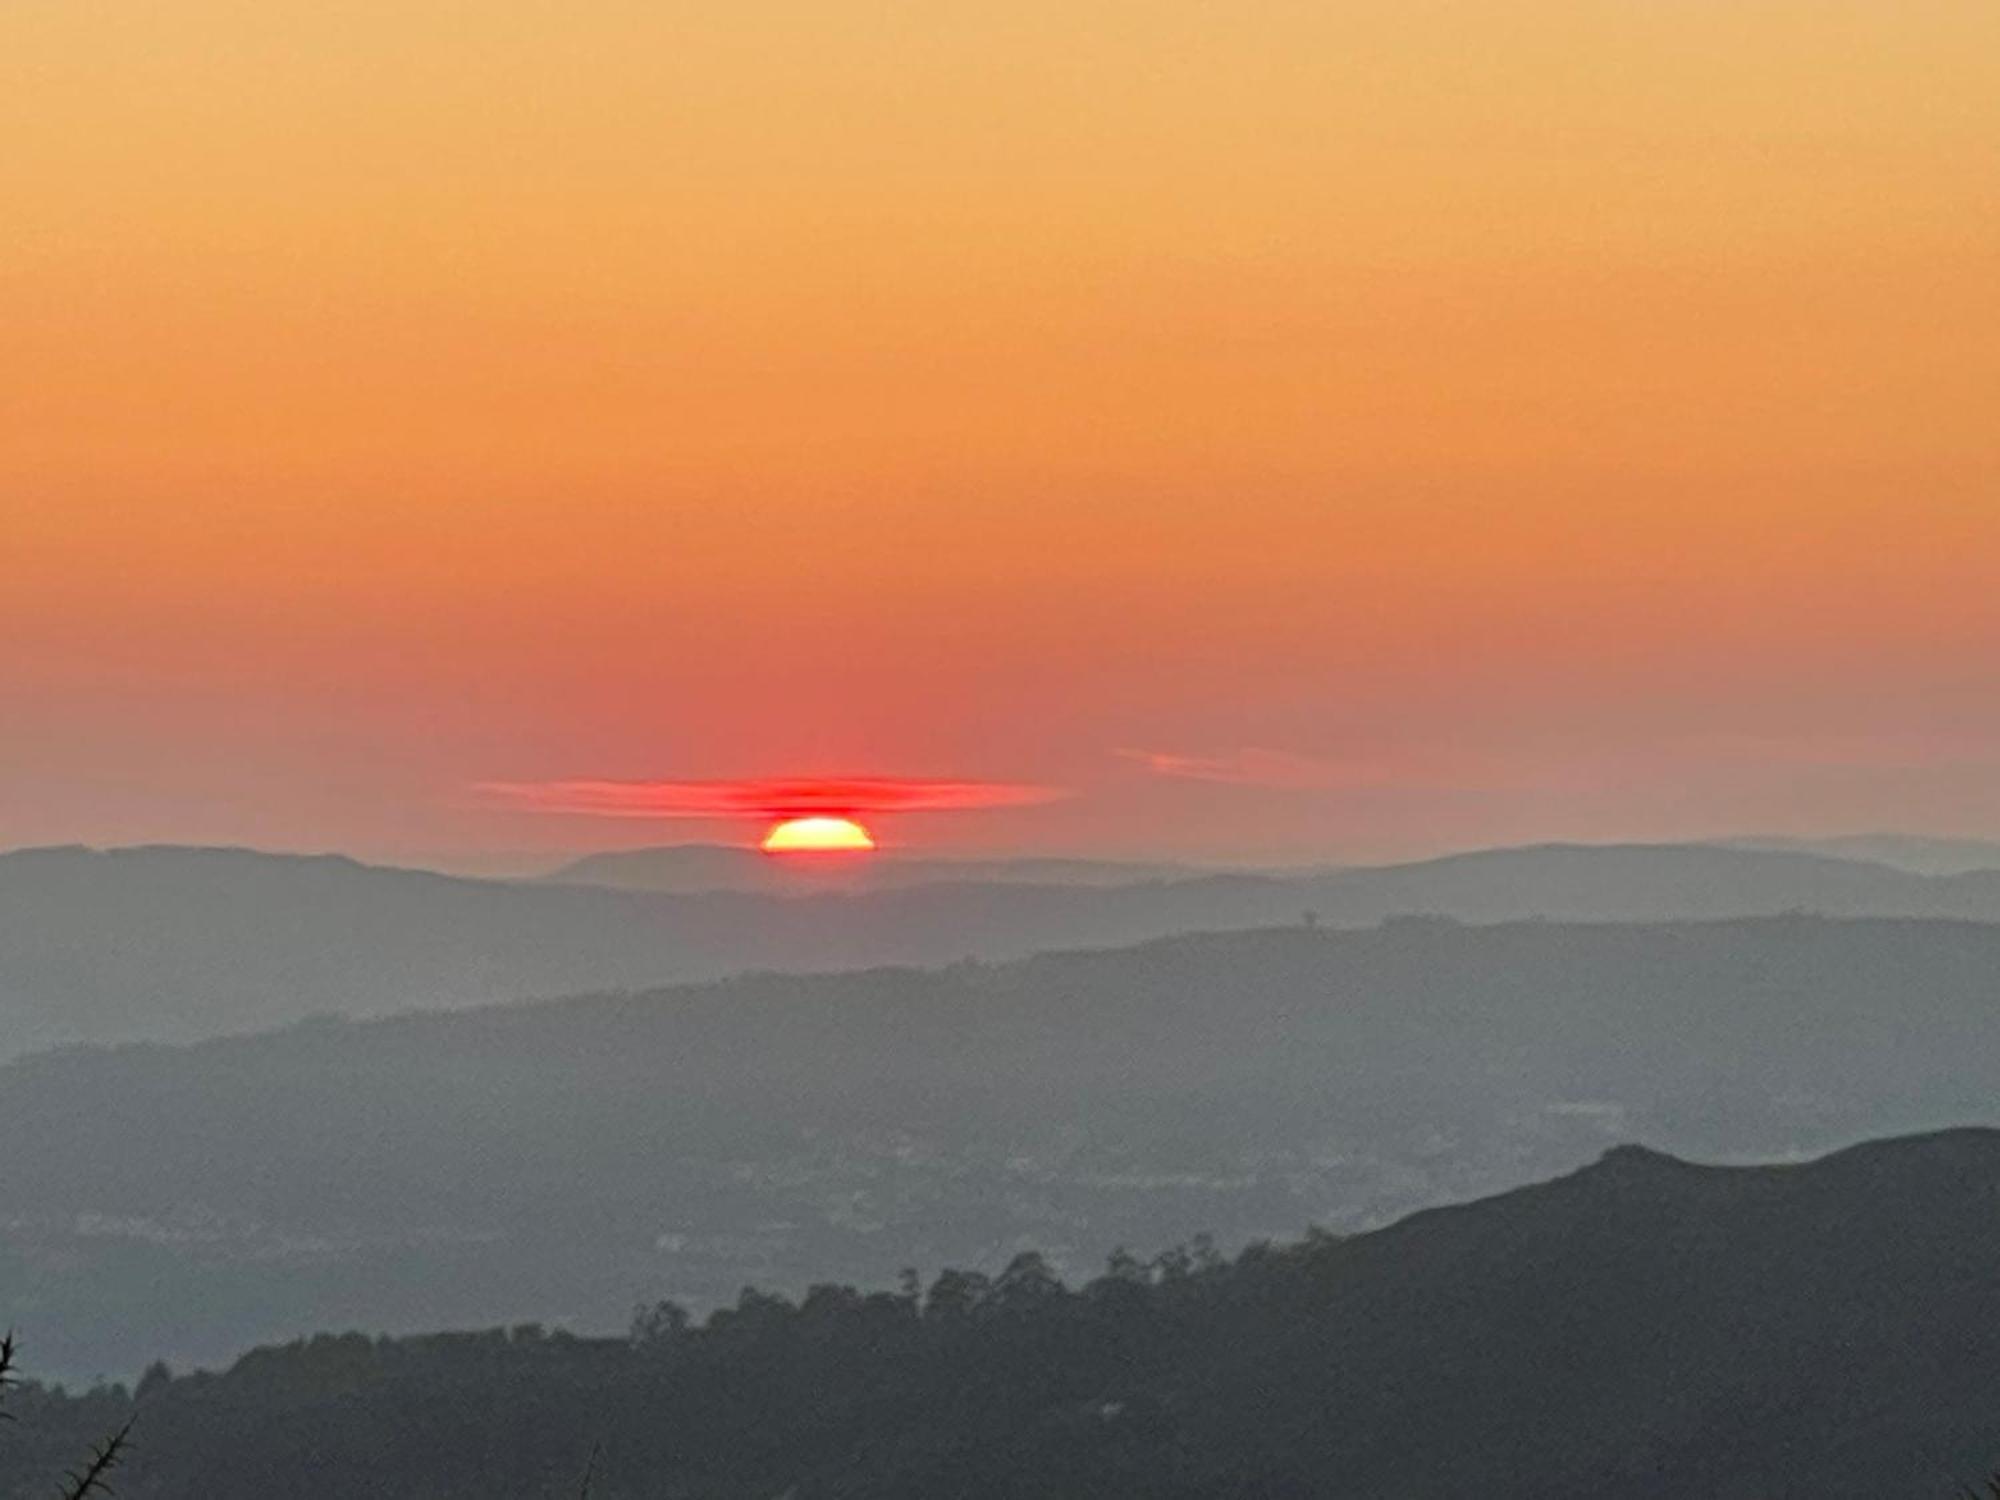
(92, 1478)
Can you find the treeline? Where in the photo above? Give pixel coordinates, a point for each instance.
(1644, 1328)
(91, 1473)
(840, 1392)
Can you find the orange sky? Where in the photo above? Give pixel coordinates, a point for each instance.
(1528, 419)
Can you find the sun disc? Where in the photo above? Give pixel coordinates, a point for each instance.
(818, 835)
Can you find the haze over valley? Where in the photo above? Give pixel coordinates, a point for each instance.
(778, 1130)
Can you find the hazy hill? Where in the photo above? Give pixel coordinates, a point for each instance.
(682, 868)
(1923, 855)
(557, 1160)
(1644, 1328)
(181, 943)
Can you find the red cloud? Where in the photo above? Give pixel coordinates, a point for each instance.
(772, 797)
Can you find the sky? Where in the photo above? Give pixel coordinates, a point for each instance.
(1274, 430)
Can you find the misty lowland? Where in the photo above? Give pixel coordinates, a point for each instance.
(1052, 750)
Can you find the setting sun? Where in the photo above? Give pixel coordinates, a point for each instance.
(818, 835)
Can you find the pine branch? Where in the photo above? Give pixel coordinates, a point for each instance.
(92, 1478)
(8, 1379)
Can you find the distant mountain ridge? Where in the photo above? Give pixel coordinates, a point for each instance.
(1921, 854)
(1643, 1328)
(174, 943)
(686, 868)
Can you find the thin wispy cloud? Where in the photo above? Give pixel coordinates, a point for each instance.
(1252, 766)
(761, 797)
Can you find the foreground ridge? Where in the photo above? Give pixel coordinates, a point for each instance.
(1642, 1327)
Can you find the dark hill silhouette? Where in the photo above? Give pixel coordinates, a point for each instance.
(556, 1159)
(1643, 1328)
(174, 944)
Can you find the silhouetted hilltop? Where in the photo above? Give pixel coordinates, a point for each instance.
(1643, 1328)
(182, 943)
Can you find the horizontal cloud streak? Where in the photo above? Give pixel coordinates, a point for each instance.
(1285, 769)
(767, 797)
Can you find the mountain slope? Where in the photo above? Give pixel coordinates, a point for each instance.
(177, 944)
(1643, 1328)
(1915, 852)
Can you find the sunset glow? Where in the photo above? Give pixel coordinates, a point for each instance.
(835, 796)
(1347, 428)
(818, 835)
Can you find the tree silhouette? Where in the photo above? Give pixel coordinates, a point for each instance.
(92, 1477)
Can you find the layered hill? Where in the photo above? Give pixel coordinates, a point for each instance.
(175, 944)
(1921, 854)
(556, 1160)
